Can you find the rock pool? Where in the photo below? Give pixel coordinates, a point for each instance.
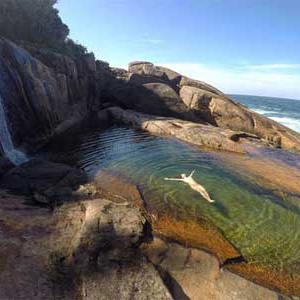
(260, 224)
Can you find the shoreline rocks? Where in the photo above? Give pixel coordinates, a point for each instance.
(98, 245)
(44, 182)
(193, 133)
(45, 93)
(159, 91)
(88, 246)
(195, 274)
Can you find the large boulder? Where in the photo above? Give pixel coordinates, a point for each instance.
(199, 102)
(145, 94)
(146, 72)
(168, 76)
(145, 68)
(185, 81)
(168, 96)
(223, 112)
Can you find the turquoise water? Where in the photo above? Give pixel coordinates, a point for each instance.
(262, 226)
(284, 111)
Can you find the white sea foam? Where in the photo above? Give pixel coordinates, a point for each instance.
(288, 122)
(263, 112)
(284, 120)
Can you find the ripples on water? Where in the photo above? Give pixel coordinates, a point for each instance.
(257, 222)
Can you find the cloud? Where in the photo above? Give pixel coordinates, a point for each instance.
(152, 41)
(273, 66)
(272, 81)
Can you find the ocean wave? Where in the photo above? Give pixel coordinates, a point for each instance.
(288, 122)
(264, 112)
(284, 111)
(284, 120)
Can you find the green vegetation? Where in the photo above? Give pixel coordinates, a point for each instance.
(37, 22)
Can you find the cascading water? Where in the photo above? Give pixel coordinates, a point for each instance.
(16, 156)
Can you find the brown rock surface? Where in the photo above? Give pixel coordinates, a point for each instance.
(195, 101)
(197, 134)
(223, 112)
(194, 274)
(84, 250)
(185, 81)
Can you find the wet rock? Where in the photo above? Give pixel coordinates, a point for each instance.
(194, 274)
(60, 63)
(5, 165)
(44, 92)
(44, 180)
(197, 134)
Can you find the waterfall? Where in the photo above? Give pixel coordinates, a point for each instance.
(16, 156)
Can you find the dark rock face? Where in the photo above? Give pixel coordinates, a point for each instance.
(44, 92)
(5, 165)
(47, 183)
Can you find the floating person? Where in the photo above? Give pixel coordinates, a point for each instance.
(194, 185)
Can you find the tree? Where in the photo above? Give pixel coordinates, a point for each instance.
(34, 21)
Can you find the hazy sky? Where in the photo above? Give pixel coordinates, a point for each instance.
(240, 46)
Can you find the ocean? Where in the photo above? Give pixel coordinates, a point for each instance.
(284, 111)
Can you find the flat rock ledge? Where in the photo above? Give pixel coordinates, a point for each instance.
(196, 275)
(193, 133)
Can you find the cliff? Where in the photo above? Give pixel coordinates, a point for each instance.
(44, 92)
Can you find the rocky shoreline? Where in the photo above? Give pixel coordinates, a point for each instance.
(63, 236)
(95, 246)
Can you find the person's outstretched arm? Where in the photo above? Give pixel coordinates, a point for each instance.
(177, 179)
(192, 173)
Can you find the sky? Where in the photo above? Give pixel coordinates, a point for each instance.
(240, 46)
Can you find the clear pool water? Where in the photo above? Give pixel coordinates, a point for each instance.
(261, 225)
